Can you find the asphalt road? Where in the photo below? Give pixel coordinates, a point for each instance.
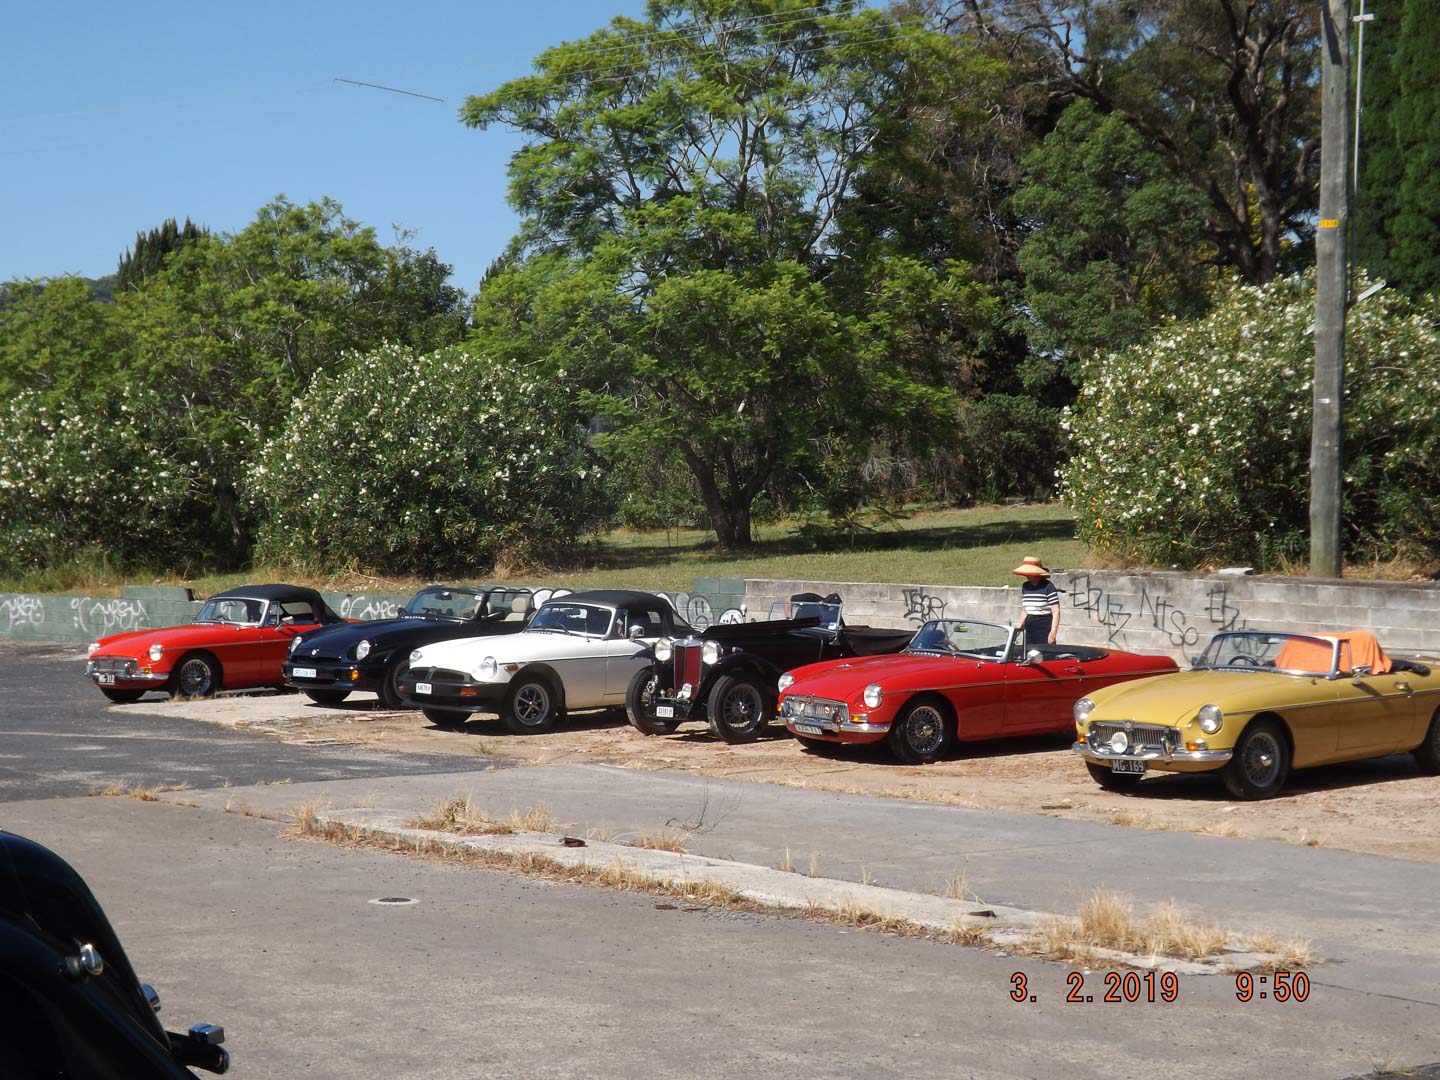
(58, 738)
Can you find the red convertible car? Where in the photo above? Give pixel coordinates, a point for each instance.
(956, 680)
(240, 638)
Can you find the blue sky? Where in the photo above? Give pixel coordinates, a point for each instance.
(121, 115)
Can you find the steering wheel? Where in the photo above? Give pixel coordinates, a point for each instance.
(1241, 660)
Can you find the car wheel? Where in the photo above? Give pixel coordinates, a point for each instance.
(637, 705)
(390, 694)
(1261, 762)
(531, 706)
(446, 718)
(196, 676)
(1427, 754)
(1111, 780)
(922, 732)
(327, 697)
(739, 708)
(122, 697)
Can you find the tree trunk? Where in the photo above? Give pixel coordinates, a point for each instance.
(729, 510)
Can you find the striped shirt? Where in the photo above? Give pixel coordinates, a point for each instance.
(1039, 596)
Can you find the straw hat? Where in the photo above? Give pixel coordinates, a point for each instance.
(1031, 567)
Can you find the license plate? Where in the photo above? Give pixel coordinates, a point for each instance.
(667, 711)
(422, 688)
(808, 729)
(105, 678)
(1127, 765)
(302, 673)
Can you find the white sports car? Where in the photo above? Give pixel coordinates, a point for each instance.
(579, 652)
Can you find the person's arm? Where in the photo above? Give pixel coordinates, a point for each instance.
(1055, 618)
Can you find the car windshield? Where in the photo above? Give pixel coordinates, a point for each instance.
(240, 610)
(573, 618)
(961, 637)
(446, 603)
(828, 614)
(1288, 654)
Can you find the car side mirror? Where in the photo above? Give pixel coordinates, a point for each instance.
(636, 633)
(1361, 670)
(1034, 656)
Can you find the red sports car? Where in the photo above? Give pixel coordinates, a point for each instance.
(240, 638)
(956, 679)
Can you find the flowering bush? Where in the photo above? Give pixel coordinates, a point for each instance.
(1195, 446)
(104, 478)
(447, 462)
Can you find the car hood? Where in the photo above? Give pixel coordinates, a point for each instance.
(383, 633)
(840, 680)
(526, 647)
(1170, 699)
(134, 643)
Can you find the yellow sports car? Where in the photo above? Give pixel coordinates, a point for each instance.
(1257, 704)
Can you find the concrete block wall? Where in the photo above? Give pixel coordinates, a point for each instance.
(1154, 612)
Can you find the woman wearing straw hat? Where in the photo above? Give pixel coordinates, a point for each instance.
(1040, 601)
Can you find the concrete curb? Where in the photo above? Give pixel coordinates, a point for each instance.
(1003, 927)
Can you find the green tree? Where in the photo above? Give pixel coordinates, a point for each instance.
(690, 169)
(1415, 228)
(1381, 166)
(151, 249)
(1116, 242)
(55, 340)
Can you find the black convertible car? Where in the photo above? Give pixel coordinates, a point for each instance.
(728, 674)
(328, 664)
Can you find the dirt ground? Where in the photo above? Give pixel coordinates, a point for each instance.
(1382, 807)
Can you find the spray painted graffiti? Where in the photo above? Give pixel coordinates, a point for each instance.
(1156, 612)
(99, 617)
(697, 610)
(18, 611)
(367, 607)
(921, 606)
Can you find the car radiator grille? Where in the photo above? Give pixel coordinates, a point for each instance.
(1144, 738)
(120, 665)
(687, 666)
(808, 708)
(440, 676)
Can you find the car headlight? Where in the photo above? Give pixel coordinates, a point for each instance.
(664, 649)
(294, 644)
(92, 648)
(362, 650)
(1210, 718)
(785, 682)
(1083, 708)
(710, 652)
(156, 651)
(415, 656)
(486, 669)
(873, 696)
(1119, 742)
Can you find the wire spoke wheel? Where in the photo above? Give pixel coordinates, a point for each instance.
(925, 730)
(1261, 760)
(196, 677)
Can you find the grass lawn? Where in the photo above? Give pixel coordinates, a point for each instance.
(942, 547)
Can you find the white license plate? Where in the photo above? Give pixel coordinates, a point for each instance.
(302, 673)
(422, 688)
(1126, 765)
(105, 678)
(667, 711)
(808, 729)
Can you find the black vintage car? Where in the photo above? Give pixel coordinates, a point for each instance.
(728, 674)
(71, 1007)
(328, 664)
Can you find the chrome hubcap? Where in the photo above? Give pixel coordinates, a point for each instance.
(925, 730)
(532, 705)
(1262, 759)
(194, 677)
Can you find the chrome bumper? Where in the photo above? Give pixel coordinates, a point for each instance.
(1198, 757)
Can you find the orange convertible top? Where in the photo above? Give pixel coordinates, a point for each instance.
(1358, 648)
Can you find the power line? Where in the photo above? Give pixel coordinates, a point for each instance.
(390, 89)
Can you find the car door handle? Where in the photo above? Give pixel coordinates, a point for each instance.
(1070, 669)
(1402, 686)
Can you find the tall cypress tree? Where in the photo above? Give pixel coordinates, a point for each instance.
(1381, 166)
(150, 251)
(1415, 228)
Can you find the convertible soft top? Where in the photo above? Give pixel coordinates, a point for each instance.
(284, 594)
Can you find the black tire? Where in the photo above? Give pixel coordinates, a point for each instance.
(637, 705)
(445, 718)
(532, 706)
(739, 708)
(923, 731)
(197, 675)
(326, 697)
(1427, 754)
(1261, 763)
(122, 697)
(1110, 780)
(390, 695)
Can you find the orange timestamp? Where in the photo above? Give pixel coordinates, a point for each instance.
(1272, 986)
(1127, 987)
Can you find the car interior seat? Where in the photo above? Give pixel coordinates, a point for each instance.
(519, 608)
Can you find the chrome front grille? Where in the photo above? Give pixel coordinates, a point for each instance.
(809, 708)
(120, 665)
(1143, 738)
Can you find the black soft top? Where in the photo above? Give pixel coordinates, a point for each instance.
(616, 598)
(283, 594)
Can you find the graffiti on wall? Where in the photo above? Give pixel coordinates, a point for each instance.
(100, 617)
(366, 607)
(696, 609)
(922, 606)
(1156, 612)
(16, 611)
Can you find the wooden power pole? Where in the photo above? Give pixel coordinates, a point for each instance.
(1326, 437)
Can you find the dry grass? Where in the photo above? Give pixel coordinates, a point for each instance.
(144, 794)
(659, 842)
(459, 814)
(867, 878)
(955, 887)
(814, 870)
(786, 863)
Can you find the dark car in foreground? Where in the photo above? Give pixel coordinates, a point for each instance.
(727, 675)
(329, 664)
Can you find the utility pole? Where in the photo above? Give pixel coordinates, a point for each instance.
(1330, 290)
